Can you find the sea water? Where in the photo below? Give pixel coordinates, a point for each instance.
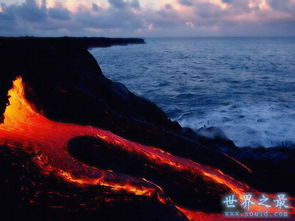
(244, 86)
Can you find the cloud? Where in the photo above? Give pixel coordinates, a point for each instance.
(134, 17)
(118, 3)
(29, 11)
(283, 5)
(59, 13)
(121, 4)
(186, 2)
(29, 18)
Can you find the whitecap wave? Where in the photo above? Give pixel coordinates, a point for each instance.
(255, 126)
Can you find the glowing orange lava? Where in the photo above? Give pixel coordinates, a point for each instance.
(24, 127)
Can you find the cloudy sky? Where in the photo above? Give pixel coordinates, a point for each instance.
(147, 18)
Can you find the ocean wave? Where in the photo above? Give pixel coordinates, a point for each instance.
(255, 126)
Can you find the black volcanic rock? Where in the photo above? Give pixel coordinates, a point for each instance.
(183, 188)
(28, 194)
(81, 42)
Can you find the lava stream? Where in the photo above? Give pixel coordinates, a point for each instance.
(24, 127)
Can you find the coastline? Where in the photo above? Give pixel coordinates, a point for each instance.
(83, 42)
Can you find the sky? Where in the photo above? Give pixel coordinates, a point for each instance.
(147, 18)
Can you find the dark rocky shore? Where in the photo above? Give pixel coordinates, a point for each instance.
(81, 42)
(65, 84)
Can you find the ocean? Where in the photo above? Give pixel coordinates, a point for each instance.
(243, 86)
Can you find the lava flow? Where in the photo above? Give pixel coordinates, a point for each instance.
(24, 127)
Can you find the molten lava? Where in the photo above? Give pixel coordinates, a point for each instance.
(24, 127)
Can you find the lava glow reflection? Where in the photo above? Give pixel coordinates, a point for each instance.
(23, 127)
